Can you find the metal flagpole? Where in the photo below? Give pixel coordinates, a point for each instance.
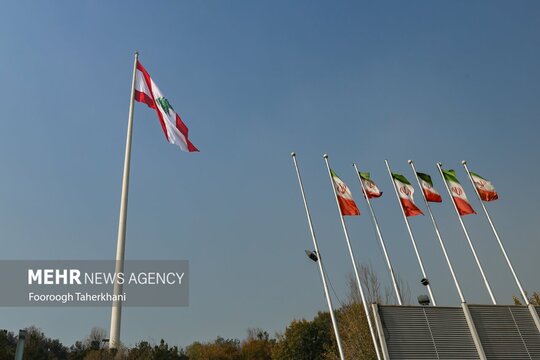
(355, 267)
(116, 313)
(411, 236)
(381, 240)
(523, 294)
(439, 166)
(319, 262)
(461, 297)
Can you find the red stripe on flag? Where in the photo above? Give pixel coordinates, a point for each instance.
(464, 208)
(487, 195)
(184, 130)
(410, 208)
(430, 196)
(146, 98)
(142, 97)
(348, 207)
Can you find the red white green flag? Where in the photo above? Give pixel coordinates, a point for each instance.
(458, 194)
(344, 196)
(427, 188)
(146, 91)
(372, 190)
(405, 192)
(485, 189)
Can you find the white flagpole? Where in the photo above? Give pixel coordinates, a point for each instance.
(461, 297)
(523, 294)
(116, 314)
(411, 234)
(355, 267)
(439, 166)
(319, 262)
(381, 240)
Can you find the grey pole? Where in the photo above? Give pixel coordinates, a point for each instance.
(436, 227)
(321, 268)
(410, 234)
(523, 294)
(380, 331)
(19, 352)
(355, 267)
(473, 331)
(381, 240)
(116, 313)
(439, 166)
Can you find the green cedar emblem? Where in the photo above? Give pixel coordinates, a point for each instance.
(164, 104)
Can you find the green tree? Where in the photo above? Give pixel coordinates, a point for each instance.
(39, 347)
(8, 344)
(257, 346)
(534, 299)
(220, 349)
(77, 351)
(354, 332)
(143, 350)
(305, 340)
(164, 352)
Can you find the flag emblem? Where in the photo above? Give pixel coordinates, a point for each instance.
(164, 104)
(457, 190)
(405, 190)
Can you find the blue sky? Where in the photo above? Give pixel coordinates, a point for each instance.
(362, 81)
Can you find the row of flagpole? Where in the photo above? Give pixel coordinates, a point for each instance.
(143, 89)
(404, 193)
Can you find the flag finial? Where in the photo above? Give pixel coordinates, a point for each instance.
(293, 154)
(325, 156)
(463, 162)
(409, 162)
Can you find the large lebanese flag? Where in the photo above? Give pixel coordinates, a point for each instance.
(344, 196)
(427, 188)
(405, 192)
(146, 91)
(458, 194)
(485, 188)
(372, 190)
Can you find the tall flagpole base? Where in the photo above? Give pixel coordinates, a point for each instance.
(116, 312)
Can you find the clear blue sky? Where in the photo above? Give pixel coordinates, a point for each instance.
(362, 81)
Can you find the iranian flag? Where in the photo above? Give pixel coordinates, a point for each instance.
(458, 194)
(427, 188)
(485, 189)
(146, 91)
(344, 196)
(405, 191)
(371, 189)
